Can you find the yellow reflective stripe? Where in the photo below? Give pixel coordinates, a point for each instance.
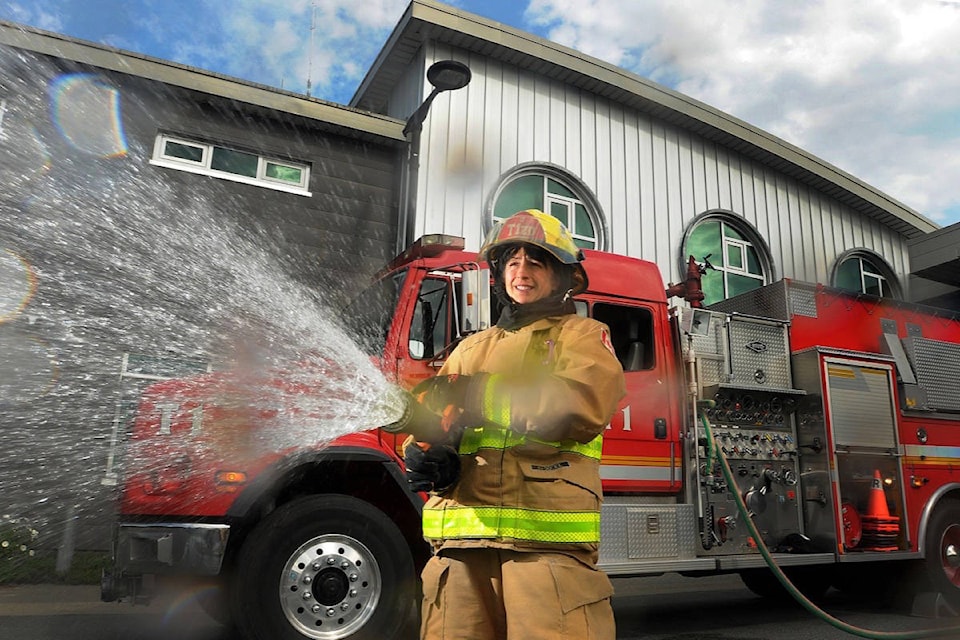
(496, 404)
(494, 438)
(511, 522)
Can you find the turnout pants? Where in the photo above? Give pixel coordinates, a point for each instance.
(497, 594)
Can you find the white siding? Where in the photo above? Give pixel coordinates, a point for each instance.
(650, 178)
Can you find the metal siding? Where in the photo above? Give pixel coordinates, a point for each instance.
(650, 178)
(628, 238)
(644, 223)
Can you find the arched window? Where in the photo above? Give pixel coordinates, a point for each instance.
(553, 191)
(739, 256)
(862, 271)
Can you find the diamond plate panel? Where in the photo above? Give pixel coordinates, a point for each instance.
(759, 353)
(769, 301)
(711, 351)
(651, 532)
(937, 367)
(631, 532)
(803, 301)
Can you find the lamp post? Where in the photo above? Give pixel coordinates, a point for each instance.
(444, 75)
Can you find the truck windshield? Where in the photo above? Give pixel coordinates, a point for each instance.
(368, 316)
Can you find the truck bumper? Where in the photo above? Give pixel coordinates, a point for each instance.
(162, 548)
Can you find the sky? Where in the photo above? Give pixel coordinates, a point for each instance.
(870, 86)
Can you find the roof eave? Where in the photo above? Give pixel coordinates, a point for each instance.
(336, 117)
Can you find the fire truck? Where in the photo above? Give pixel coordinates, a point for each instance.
(836, 417)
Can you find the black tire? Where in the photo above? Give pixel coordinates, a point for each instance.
(942, 552)
(326, 567)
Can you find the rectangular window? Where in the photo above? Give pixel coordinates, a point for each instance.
(284, 173)
(237, 162)
(231, 164)
(178, 150)
(631, 334)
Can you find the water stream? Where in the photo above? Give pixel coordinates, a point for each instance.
(108, 275)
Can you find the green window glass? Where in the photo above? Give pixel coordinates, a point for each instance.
(555, 187)
(284, 173)
(183, 151)
(734, 256)
(860, 275)
(582, 224)
(704, 241)
(736, 262)
(560, 211)
(848, 275)
(525, 192)
(237, 162)
(538, 191)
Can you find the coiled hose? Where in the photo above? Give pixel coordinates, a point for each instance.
(806, 603)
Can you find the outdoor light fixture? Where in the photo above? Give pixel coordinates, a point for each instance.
(444, 75)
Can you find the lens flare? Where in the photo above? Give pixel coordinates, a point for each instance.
(86, 112)
(18, 284)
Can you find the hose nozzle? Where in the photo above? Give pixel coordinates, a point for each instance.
(413, 417)
(397, 402)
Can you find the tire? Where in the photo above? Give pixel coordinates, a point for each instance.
(326, 567)
(942, 552)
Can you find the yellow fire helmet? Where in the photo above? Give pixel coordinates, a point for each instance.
(539, 229)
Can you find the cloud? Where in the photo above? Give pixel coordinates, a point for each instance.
(872, 87)
(331, 43)
(34, 14)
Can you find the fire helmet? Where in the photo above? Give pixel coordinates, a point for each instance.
(541, 230)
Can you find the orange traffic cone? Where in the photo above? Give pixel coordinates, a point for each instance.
(877, 505)
(880, 530)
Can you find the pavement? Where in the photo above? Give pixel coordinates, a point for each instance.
(57, 599)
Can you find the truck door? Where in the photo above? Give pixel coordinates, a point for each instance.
(429, 329)
(641, 452)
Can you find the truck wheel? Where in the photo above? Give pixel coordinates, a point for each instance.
(326, 567)
(942, 556)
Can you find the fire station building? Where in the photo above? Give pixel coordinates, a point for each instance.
(630, 166)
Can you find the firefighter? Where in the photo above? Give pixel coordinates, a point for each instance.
(514, 511)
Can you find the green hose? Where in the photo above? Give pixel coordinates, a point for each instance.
(792, 590)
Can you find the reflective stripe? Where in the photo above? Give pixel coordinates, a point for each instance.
(511, 522)
(496, 404)
(498, 438)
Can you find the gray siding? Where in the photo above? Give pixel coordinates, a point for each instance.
(651, 179)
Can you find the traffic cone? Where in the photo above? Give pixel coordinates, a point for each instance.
(880, 530)
(877, 505)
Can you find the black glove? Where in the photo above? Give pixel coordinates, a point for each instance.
(435, 468)
(457, 398)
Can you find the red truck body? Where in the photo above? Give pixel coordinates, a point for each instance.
(827, 406)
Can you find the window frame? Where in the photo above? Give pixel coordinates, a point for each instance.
(890, 284)
(203, 167)
(583, 196)
(749, 239)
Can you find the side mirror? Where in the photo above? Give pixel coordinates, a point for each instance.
(475, 301)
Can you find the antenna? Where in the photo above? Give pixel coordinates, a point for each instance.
(313, 28)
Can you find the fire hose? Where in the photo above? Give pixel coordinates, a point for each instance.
(806, 603)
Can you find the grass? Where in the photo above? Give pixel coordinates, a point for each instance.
(41, 568)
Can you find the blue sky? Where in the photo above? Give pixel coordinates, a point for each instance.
(872, 87)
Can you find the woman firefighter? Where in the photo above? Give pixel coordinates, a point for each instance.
(514, 511)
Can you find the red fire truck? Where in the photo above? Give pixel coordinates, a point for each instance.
(818, 426)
